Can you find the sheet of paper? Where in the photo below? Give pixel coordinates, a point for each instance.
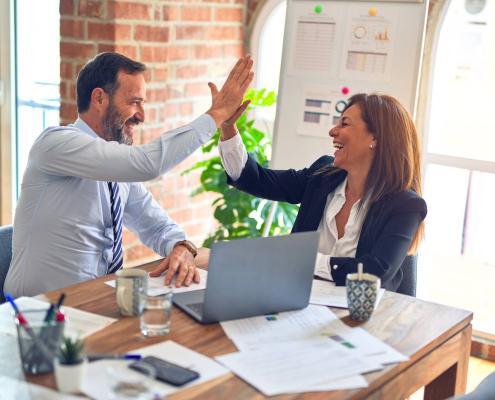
(314, 40)
(79, 323)
(21, 390)
(326, 293)
(368, 43)
(321, 108)
(155, 285)
(303, 324)
(295, 366)
(97, 386)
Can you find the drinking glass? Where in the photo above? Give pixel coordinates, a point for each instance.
(156, 313)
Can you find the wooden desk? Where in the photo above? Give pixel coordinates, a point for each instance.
(435, 337)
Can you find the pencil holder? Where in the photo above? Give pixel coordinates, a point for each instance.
(39, 341)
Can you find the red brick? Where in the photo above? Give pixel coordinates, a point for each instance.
(101, 31)
(178, 53)
(191, 71)
(66, 7)
(204, 51)
(68, 111)
(171, 13)
(127, 50)
(122, 32)
(71, 28)
(160, 74)
(128, 10)
(105, 47)
(76, 50)
(233, 50)
(66, 70)
(175, 91)
(196, 13)
(157, 95)
(224, 33)
(228, 14)
(90, 8)
(151, 33)
(186, 109)
(169, 110)
(190, 32)
(197, 89)
(154, 54)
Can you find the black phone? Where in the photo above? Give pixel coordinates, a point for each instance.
(166, 371)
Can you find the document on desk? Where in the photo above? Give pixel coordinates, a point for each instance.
(326, 293)
(314, 322)
(79, 323)
(97, 386)
(21, 390)
(296, 366)
(249, 333)
(156, 286)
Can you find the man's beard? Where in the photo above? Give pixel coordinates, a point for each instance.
(113, 126)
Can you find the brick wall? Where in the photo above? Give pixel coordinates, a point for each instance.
(184, 44)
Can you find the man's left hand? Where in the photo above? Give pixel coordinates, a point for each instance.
(181, 262)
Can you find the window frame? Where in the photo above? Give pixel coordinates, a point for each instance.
(7, 112)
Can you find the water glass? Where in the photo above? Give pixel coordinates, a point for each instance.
(156, 313)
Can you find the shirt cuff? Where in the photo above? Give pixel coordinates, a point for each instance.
(231, 144)
(205, 127)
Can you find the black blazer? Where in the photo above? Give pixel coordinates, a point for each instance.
(388, 228)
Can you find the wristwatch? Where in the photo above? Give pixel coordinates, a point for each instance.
(189, 246)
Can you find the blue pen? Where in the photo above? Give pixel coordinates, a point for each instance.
(96, 357)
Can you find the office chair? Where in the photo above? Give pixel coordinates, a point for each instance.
(5, 255)
(409, 269)
(484, 391)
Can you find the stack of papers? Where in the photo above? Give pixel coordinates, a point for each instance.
(156, 285)
(306, 350)
(326, 293)
(97, 384)
(78, 323)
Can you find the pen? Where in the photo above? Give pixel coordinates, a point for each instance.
(96, 357)
(59, 316)
(49, 313)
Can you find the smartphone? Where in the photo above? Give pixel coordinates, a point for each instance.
(166, 371)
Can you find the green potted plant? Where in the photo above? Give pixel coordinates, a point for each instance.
(70, 366)
(241, 215)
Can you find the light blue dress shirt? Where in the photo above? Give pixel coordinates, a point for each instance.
(63, 232)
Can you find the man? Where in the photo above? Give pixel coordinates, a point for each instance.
(82, 182)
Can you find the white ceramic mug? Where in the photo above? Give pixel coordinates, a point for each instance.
(130, 284)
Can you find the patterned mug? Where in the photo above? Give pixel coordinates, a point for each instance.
(131, 283)
(361, 295)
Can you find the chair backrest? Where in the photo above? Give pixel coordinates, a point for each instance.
(484, 391)
(5, 255)
(409, 270)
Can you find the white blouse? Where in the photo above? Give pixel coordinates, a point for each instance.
(234, 158)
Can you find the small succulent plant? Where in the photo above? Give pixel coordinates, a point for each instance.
(71, 350)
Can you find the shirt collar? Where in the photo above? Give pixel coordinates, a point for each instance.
(83, 126)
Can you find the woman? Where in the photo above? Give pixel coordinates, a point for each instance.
(365, 201)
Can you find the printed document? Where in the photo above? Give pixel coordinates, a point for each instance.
(296, 366)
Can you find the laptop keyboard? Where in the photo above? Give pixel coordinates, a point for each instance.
(196, 307)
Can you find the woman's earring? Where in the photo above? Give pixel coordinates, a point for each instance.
(372, 146)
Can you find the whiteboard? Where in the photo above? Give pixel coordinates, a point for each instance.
(332, 50)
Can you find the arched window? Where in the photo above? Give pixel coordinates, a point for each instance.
(457, 258)
(266, 47)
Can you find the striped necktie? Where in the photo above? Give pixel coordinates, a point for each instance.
(116, 208)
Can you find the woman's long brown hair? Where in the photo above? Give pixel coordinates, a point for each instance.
(396, 165)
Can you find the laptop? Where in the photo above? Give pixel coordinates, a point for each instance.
(248, 277)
